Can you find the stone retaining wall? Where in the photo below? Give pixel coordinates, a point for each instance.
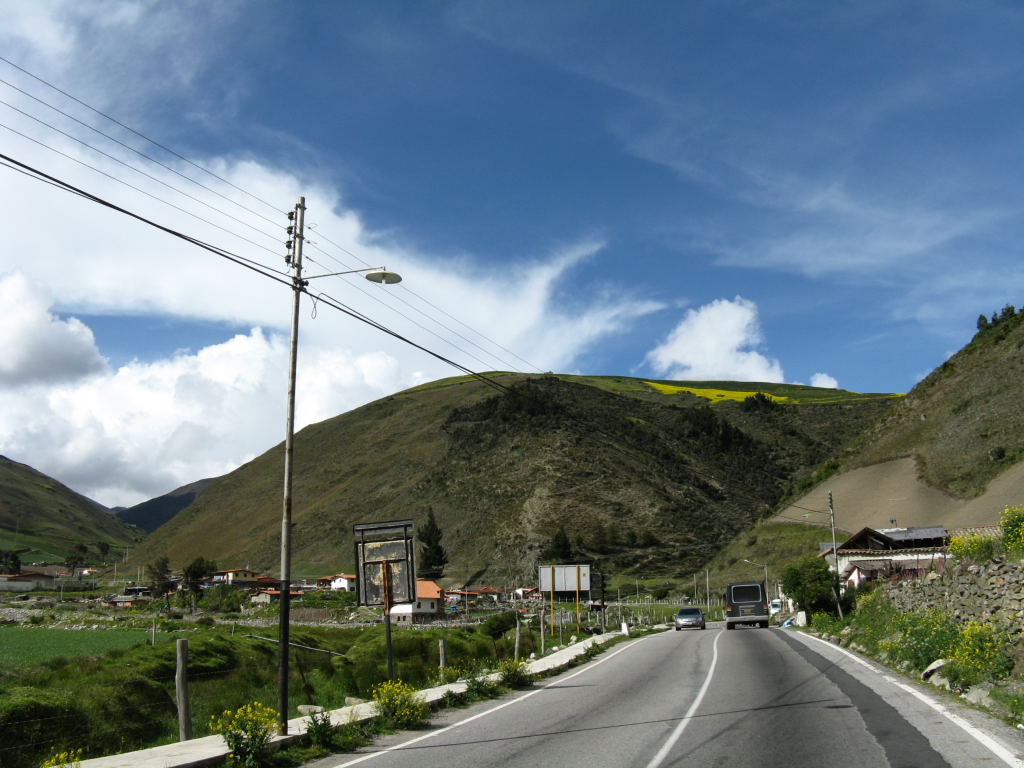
(992, 593)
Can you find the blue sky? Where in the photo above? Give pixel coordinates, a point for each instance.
(809, 192)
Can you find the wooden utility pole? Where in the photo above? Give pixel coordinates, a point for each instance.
(294, 260)
(181, 692)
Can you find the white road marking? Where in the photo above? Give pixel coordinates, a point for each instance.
(659, 758)
(980, 736)
(490, 711)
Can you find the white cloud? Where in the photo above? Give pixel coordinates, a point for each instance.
(716, 341)
(126, 435)
(824, 380)
(37, 346)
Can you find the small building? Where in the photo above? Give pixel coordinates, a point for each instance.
(26, 581)
(267, 596)
(128, 601)
(339, 582)
(237, 577)
(872, 554)
(429, 604)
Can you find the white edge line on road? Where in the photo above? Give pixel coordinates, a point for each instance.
(991, 744)
(659, 758)
(490, 711)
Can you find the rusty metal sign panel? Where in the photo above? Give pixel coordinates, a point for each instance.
(385, 562)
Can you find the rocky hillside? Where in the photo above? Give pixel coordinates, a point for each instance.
(642, 476)
(949, 453)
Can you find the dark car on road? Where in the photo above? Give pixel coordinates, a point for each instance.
(690, 618)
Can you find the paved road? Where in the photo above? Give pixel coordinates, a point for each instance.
(750, 697)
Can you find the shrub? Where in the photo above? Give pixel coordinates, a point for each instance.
(1011, 521)
(973, 548)
(923, 637)
(399, 705)
(351, 735)
(981, 654)
(445, 675)
(70, 759)
(454, 699)
(320, 729)
(247, 732)
(478, 686)
(514, 673)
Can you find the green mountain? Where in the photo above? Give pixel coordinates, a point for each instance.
(150, 515)
(643, 476)
(44, 520)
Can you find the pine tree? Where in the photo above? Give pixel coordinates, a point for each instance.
(433, 558)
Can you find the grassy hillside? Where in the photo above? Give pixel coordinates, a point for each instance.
(964, 423)
(44, 520)
(643, 476)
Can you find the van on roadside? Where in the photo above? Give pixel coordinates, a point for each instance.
(746, 602)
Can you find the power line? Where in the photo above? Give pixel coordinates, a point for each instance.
(249, 264)
(132, 186)
(205, 170)
(402, 314)
(137, 170)
(341, 248)
(140, 135)
(133, 149)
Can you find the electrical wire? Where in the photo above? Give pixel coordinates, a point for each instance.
(251, 264)
(254, 266)
(140, 135)
(419, 325)
(205, 170)
(138, 152)
(133, 187)
(149, 176)
(406, 289)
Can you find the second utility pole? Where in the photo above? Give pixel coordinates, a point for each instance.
(835, 555)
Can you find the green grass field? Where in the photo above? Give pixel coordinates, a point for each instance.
(23, 647)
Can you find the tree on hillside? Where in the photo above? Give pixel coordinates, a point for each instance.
(193, 576)
(10, 563)
(559, 548)
(103, 548)
(159, 574)
(810, 582)
(433, 558)
(76, 559)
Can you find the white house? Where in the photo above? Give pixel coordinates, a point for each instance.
(340, 582)
(235, 577)
(428, 605)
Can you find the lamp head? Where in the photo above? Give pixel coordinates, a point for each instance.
(384, 277)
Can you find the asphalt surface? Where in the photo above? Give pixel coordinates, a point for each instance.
(749, 697)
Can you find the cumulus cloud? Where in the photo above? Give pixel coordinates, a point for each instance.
(122, 436)
(716, 341)
(824, 380)
(37, 346)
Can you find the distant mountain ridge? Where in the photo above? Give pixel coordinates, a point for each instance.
(150, 515)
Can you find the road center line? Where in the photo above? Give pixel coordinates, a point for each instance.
(490, 711)
(659, 758)
(991, 744)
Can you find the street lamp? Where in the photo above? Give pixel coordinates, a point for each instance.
(294, 259)
(760, 565)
